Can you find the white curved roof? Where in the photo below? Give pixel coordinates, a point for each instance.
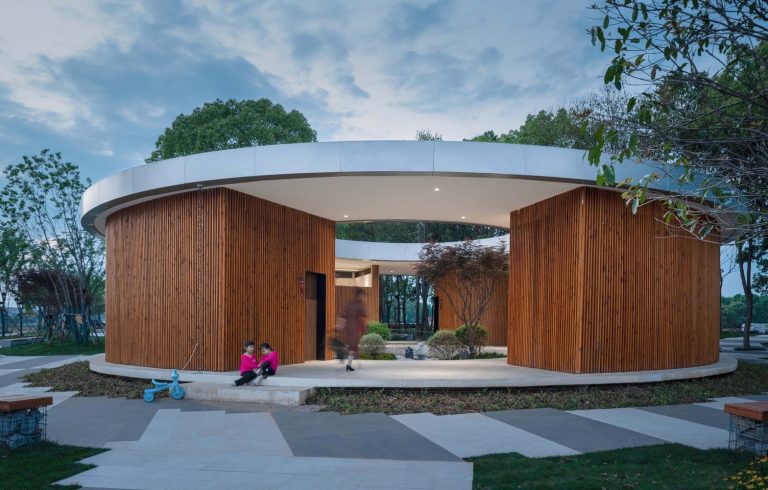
(367, 180)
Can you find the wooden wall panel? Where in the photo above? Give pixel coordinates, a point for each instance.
(155, 292)
(271, 248)
(595, 289)
(657, 301)
(174, 280)
(495, 319)
(543, 263)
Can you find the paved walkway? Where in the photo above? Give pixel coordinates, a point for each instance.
(190, 444)
(755, 356)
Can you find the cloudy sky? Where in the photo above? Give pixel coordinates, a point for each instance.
(99, 81)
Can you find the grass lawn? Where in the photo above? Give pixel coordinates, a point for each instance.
(77, 376)
(664, 466)
(747, 379)
(54, 349)
(40, 465)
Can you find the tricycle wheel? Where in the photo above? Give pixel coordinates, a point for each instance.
(148, 397)
(177, 392)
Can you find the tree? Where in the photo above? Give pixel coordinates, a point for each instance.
(701, 67)
(221, 125)
(476, 270)
(427, 135)
(492, 137)
(14, 254)
(42, 197)
(744, 257)
(574, 126)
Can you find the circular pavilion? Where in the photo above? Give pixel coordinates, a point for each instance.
(208, 250)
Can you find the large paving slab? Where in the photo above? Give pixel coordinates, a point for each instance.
(711, 417)
(719, 403)
(474, 434)
(371, 435)
(579, 433)
(660, 426)
(213, 449)
(96, 421)
(281, 473)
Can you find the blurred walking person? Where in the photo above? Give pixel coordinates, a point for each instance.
(354, 326)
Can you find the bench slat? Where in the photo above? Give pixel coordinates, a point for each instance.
(23, 402)
(753, 410)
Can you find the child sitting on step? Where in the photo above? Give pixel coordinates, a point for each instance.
(250, 369)
(268, 362)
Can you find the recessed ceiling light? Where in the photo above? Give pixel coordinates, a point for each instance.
(463, 217)
(391, 271)
(346, 216)
(436, 189)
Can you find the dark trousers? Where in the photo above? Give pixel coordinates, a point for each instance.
(248, 376)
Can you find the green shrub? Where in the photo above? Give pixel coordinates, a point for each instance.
(488, 355)
(380, 328)
(372, 344)
(443, 344)
(384, 356)
(475, 337)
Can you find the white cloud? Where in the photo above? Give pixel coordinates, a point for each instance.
(35, 37)
(473, 66)
(539, 57)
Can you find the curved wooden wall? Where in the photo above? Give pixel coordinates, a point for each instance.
(495, 319)
(593, 288)
(212, 268)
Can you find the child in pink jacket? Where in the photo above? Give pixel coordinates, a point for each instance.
(250, 369)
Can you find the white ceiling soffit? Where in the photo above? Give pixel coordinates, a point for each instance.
(486, 201)
(368, 180)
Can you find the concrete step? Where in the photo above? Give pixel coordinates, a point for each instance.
(15, 342)
(272, 395)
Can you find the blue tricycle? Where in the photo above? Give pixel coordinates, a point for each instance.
(177, 392)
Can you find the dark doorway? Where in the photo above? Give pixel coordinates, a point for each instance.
(435, 313)
(314, 317)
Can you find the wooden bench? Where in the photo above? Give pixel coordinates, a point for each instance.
(10, 403)
(749, 426)
(23, 419)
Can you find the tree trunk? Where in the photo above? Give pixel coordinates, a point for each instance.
(745, 273)
(3, 313)
(418, 298)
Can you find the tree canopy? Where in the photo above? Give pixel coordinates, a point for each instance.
(559, 128)
(221, 125)
(473, 272)
(413, 231)
(700, 68)
(41, 198)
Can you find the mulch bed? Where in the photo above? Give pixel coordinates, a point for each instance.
(77, 376)
(747, 379)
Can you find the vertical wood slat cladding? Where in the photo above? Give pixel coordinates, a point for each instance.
(543, 260)
(495, 319)
(254, 254)
(595, 289)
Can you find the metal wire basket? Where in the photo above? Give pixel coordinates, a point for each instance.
(22, 427)
(749, 435)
